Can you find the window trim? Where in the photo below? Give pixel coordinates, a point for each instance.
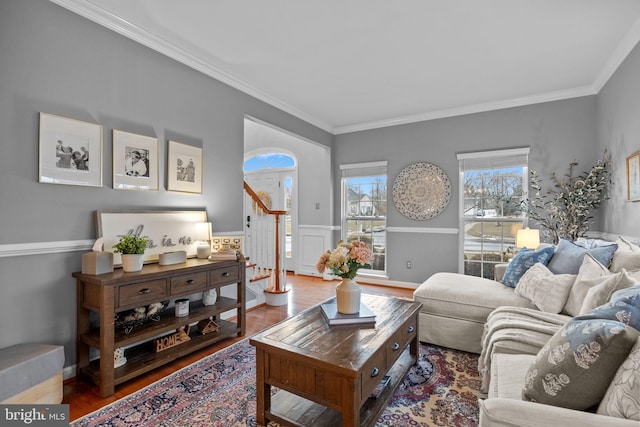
(354, 170)
(482, 159)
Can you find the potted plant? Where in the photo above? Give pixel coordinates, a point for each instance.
(566, 209)
(132, 248)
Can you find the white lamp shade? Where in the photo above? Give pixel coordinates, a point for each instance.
(527, 238)
(203, 231)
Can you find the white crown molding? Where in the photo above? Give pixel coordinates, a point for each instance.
(40, 248)
(424, 230)
(469, 109)
(133, 32)
(624, 48)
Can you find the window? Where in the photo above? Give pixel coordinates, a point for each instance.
(493, 185)
(364, 208)
(268, 161)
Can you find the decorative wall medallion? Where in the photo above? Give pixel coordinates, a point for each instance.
(421, 191)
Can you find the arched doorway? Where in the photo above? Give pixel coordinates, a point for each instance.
(273, 172)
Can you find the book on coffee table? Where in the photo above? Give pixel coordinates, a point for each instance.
(364, 317)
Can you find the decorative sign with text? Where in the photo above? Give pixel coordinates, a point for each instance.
(169, 231)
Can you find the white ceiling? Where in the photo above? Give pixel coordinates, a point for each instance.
(347, 65)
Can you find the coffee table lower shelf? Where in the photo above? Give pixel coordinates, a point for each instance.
(303, 412)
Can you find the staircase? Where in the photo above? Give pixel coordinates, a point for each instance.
(266, 277)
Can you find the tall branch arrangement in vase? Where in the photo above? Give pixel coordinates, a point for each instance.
(566, 209)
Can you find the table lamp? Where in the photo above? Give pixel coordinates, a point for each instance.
(528, 238)
(203, 234)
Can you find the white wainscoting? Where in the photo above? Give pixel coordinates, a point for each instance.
(313, 240)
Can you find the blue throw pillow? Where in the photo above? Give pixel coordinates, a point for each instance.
(524, 260)
(623, 307)
(568, 256)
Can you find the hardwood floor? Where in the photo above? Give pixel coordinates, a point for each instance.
(306, 291)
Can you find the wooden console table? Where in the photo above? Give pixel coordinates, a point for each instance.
(112, 293)
(326, 374)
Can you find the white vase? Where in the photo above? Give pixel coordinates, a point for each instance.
(348, 296)
(132, 262)
(209, 297)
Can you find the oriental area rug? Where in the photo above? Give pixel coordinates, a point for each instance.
(220, 390)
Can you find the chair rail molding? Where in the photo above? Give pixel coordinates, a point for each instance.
(425, 230)
(40, 248)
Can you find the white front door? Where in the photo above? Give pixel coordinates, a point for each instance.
(279, 187)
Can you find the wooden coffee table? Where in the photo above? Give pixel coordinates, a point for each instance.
(326, 374)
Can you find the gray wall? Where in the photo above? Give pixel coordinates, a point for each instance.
(55, 61)
(619, 132)
(557, 132)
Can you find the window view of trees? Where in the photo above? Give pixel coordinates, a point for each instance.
(365, 214)
(492, 214)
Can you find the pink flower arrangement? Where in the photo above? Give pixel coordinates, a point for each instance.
(345, 260)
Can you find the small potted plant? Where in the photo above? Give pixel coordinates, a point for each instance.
(132, 248)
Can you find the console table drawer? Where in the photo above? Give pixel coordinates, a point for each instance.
(188, 283)
(224, 275)
(141, 293)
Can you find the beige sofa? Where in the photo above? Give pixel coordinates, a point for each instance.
(504, 406)
(455, 308)
(454, 314)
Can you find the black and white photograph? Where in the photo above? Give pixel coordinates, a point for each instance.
(135, 161)
(70, 151)
(184, 168)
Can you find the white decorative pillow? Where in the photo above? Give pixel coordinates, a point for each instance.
(622, 398)
(548, 291)
(589, 270)
(627, 256)
(603, 288)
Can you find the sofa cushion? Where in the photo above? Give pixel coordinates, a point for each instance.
(574, 369)
(524, 260)
(590, 269)
(622, 398)
(568, 256)
(464, 297)
(548, 291)
(604, 287)
(627, 256)
(507, 375)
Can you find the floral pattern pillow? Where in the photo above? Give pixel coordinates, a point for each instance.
(523, 261)
(623, 307)
(622, 398)
(575, 367)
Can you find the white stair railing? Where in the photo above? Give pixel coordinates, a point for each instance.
(267, 244)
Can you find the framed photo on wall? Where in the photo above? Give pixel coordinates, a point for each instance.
(70, 151)
(633, 176)
(184, 168)
(135, 161)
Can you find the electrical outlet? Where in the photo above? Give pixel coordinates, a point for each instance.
(408, 264)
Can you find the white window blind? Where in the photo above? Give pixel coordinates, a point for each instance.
(364, 169)
(497, 159)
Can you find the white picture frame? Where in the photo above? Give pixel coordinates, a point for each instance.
(168, 231)
(70, 151)
(184, 168)
(135, 161)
